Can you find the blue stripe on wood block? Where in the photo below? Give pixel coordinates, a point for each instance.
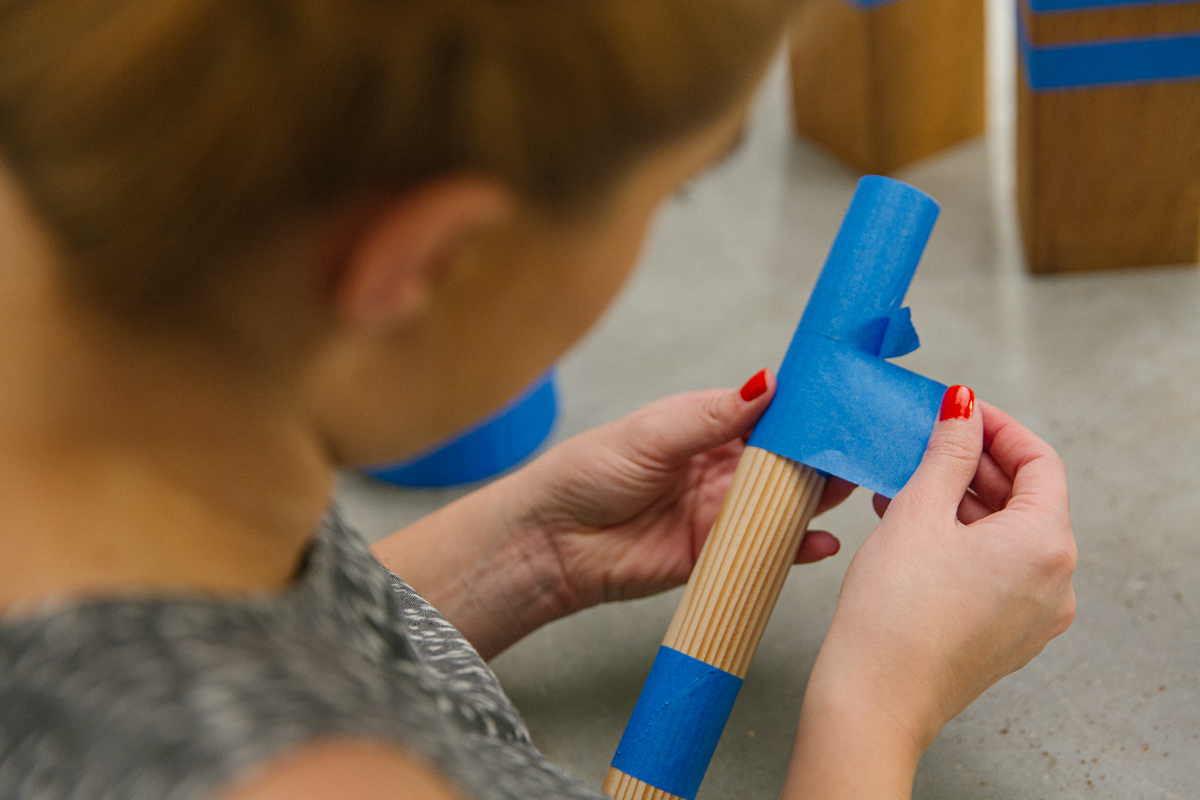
(1041, 6)
(1109, 62)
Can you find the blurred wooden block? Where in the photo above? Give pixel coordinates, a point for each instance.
(1108, 134)
(884, 84)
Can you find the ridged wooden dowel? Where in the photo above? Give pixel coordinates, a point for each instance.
(739, 575)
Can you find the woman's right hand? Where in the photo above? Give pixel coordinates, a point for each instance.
(965, 579)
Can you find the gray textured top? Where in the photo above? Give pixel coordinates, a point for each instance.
(170, 698)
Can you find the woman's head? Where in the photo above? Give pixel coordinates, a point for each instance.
(508, 152)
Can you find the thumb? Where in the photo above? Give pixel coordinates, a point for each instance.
(673, 429)
(952, 455)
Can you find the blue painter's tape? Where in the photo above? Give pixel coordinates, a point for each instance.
(1042, 6)
(840, 407)
(1108, 62)
(676, 723)
(487, 448)
(850, 414)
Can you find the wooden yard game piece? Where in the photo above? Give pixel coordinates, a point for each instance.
(1108, 120)
(883, 84)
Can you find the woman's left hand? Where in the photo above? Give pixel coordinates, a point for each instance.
(627, 506)
(615, 513)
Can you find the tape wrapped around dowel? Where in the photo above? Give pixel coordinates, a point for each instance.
(676, 723)
(840, 406)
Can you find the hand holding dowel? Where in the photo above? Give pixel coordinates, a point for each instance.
(840, 409)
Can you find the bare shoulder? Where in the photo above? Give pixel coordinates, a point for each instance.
(353, 769)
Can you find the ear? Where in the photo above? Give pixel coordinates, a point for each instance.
(406, 247)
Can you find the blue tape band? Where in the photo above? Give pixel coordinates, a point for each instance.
(492, 445)
(1108, 62)
(1042, 6)
(676, 723)
(869, 3)
(840, 407)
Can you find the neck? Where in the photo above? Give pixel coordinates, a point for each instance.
(134, 468)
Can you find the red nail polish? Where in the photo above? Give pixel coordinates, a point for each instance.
(755, 386)
(957, 403)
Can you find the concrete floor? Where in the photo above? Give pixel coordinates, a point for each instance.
(1106, 367)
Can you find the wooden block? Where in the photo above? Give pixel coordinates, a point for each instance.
(886, 84)
(1108, 173)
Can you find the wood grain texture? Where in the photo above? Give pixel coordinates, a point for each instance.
(739, 574)
(620, 786)
(1111, 22)
(1109, 176)
(886, 86)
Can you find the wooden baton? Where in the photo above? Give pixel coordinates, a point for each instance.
(738, 577)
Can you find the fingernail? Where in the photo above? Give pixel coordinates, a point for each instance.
(957, 403)
(755, 386)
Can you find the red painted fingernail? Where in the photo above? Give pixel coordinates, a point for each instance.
(957, 403)
(755, 386)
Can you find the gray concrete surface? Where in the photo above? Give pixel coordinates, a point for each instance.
(1105, 366)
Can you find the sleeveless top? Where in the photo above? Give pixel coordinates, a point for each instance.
(173, 698)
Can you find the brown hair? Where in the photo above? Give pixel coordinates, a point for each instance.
(158, 137)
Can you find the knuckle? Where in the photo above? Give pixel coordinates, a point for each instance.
(1062, 559)
(1066, 614)
(953, 448)
(1055, 554)
(713, 414)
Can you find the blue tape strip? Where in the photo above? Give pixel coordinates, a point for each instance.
(1108, 62)
(494, 444)
(1051, 6)
(1042, 6)
(676, 723)
(840, 407)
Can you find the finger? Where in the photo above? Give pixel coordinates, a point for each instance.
(951, 457)
(817, 545)
(836, 490)
(880, 504)
(1037, 471)
(972, 509)
(669, 431)
(991, 484)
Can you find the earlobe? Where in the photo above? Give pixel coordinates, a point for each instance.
(408, 245)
